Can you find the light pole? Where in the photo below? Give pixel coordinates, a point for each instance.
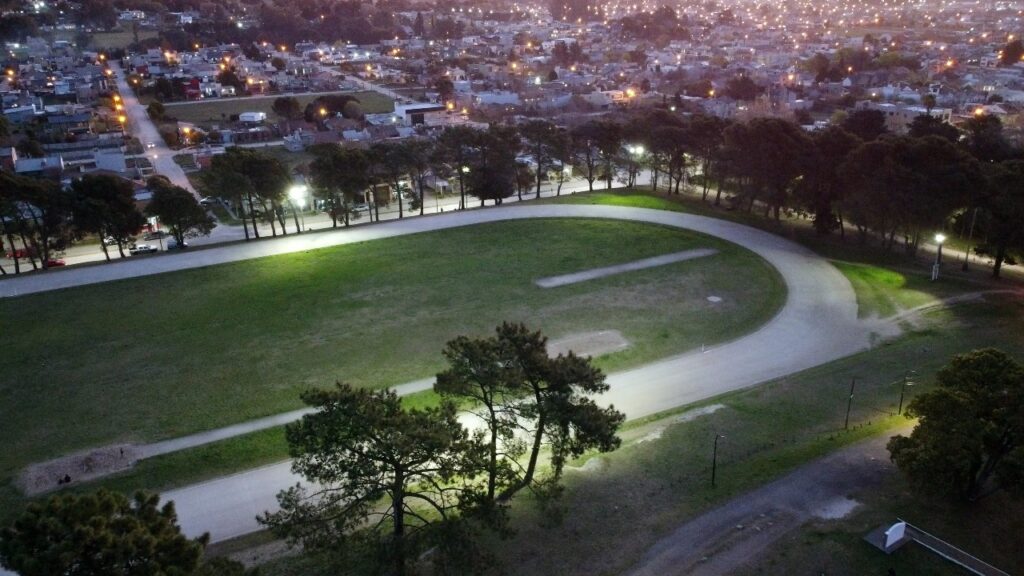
(297, 194)
(714, 459)
(939, 239)
(903, 389)
(849, 403)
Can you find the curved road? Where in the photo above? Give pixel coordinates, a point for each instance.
(818, 323)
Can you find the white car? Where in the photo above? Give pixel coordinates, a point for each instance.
(142, 249)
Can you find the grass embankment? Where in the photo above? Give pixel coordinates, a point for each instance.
(163, 356)
(218, 111)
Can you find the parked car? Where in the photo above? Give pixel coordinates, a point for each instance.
(208, 201)
(142, 249)
(111, 241)
(155, 235)
(53, 262)
(361, 207)
(173, 245)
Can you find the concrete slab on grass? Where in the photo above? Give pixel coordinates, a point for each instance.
(594, 273)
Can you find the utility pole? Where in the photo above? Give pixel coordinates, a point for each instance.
(714, 459)
(849, 403)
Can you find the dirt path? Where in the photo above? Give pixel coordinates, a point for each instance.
(734, 534)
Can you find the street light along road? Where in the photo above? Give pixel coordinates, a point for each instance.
(939, 239)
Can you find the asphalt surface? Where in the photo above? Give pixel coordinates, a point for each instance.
(817, 324)
(734, 534)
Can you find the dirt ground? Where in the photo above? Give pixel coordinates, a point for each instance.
(589, 343)
(76, 468)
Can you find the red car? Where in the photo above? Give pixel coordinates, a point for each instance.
(52, 262)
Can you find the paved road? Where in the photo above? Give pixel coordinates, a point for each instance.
(818, 323)
(714, 543)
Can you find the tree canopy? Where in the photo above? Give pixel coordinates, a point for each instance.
(361, 448)
(100, 534)
(970, 436)
(178, 209)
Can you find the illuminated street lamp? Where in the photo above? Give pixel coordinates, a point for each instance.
(297, 195)
(939, 239)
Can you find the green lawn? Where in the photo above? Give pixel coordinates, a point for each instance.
(163, 356)
(643, 491)
(646, 490)
(884, 292)
(886, 283)
(216, 111)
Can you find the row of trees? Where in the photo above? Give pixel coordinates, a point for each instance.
(389, 483)
(853, 175)
(39, 218)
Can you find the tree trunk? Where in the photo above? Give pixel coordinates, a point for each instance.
(103, 245)
(273, 226)
(10, 240)
(1000, 256)
(398, 190)
(538, 438)
(252, 216)
(423, 199)
(492, 468)
(538, 177)
(25, 245)
(462, 191)
(718, 193)
(706, 168)
(279, 212)
(295, 215)
(398, 503)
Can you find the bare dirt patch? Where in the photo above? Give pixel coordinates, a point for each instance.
(589, 343)
(77, 468)
(835, 508)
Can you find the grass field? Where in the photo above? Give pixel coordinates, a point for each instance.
(162, 356)
(614, 512)
(218, 111)
(885, 283)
